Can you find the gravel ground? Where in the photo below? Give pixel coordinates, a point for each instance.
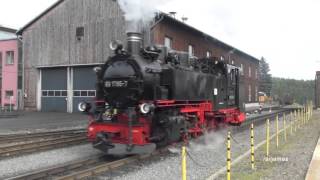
(293, 157)
(24, 164)
(208, 153)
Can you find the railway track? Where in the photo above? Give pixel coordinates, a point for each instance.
(97, 165)
(83, 168)
(31, 136)
(47, 142)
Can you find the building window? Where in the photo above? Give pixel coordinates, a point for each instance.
(256, 73)
(9, 57)
(241, 69)
(54, 93)
(232, 62)
(249, 71)
(79, 33)
(256, 93)
(249, 93)
(0, 64)
(168, 42)
(221, 58)
(208, 54)
(9, 94)
(191, 50)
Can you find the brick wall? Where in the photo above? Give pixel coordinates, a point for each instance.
(182, 36)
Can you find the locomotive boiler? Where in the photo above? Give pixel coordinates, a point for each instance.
(149, 97)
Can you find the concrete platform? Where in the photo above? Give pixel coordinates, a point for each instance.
(314, 168)
(38, 121)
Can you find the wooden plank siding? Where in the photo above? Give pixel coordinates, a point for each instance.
(51, 41)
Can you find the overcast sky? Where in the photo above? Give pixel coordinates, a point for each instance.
(285, 32)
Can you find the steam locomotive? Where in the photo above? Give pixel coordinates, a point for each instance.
(150, 97)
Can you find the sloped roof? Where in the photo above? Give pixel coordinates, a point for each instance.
(20, 31)
(7, 33)
(207, 36)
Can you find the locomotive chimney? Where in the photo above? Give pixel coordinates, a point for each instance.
(134, 41)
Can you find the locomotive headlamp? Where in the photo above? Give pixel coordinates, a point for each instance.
(84, 107)
(146, 108)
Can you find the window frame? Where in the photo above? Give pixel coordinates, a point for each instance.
(6, 94)
(192, 52)
(208, 54)
(170, 40)
(7, 60)
(249, 93)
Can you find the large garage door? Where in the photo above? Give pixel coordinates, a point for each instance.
(84, 80)
(54, 90)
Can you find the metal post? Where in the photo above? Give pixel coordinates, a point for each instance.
(304, 115)
(252, 146)
(267, 134)
(285, 126)
(291, 119)
(299, 118)
(277, 130)
(229, 156)
(295, 121)
(184, 163)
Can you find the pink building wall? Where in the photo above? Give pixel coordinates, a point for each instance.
(9, 72)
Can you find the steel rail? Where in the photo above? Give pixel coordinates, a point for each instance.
(19, 149)
(38, 134)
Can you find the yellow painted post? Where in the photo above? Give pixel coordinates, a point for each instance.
(291, 124)
(184, 163)
(277, 130)
(299, 118)
(304, 115)
(295, 121)
(229, 156)
(268, 139)
(285, 126)
(309, 112)
(252, 146)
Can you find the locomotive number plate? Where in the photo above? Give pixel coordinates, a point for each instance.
(117, 84)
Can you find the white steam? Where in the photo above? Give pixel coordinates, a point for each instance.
(137, 11)
(210, 141)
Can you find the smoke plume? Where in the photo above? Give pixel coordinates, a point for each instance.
(139, 11)
(209, 141)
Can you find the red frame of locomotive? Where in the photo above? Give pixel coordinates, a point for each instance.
(207, 120)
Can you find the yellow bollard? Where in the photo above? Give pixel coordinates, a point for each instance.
(252, 146)
(285, 126)
(184, 163)
(291, 124)
(277, 130)
(295, 121)
(299, 118)
(229, 156)
(268, 139)
(304, 115)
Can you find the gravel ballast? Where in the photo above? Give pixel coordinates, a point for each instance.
(20, 165)
(208, 153)
(289, 161)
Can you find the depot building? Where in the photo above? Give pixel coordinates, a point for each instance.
(62, 45)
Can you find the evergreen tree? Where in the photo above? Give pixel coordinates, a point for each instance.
(265, 78)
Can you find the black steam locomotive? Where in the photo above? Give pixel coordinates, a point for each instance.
(151, 97)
